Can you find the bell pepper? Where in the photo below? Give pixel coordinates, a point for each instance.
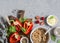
(27, 27)
(17, 24)
(14, 38)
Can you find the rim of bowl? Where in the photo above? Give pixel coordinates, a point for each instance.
(37, 28)
(24, 38)
(49, 23)
(55, 31)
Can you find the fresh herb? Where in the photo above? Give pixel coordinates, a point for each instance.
(58, 41)
(53, 37)
(51, 17)
(11, 29)
(22, 19)
(23, 29)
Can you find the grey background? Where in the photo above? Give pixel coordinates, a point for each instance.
(32, 8)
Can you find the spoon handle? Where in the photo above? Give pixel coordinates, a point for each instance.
(48, 31)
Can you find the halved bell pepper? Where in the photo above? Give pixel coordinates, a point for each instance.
(17, 24)
(27, 27)
(14, 38)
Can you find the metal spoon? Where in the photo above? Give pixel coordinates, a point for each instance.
(48, 30)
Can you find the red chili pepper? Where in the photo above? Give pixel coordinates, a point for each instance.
(15, 37)
(28, 26)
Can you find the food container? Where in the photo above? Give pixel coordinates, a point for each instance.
(35, 29)
(25, 40)
(51, 20)
(57, 31)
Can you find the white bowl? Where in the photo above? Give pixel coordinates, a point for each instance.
(24, 38)
(56, 30)
(49, 23)
(35, 29)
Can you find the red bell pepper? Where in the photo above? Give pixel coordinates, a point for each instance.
(14, 38)
(28, 27)
(17, 24)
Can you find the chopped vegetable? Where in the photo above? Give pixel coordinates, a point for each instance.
(58, 41)
(53, 37)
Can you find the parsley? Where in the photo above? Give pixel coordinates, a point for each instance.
(53, 37)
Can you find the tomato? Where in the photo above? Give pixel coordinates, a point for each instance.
(15, 37)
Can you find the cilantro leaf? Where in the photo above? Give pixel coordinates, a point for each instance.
(53, 37)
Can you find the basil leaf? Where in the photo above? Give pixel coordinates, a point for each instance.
(53, 37)
(23, 29)
(22, 19)
(58, 41)
(12, 29)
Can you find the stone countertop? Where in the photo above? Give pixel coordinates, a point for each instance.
(32, 8)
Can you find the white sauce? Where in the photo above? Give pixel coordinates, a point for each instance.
(52, 21)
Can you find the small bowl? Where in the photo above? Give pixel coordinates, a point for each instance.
(24, 38)
(49, 23)
(56, 30)
(37, 28)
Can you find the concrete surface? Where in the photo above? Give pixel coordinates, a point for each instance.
(32, 8)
